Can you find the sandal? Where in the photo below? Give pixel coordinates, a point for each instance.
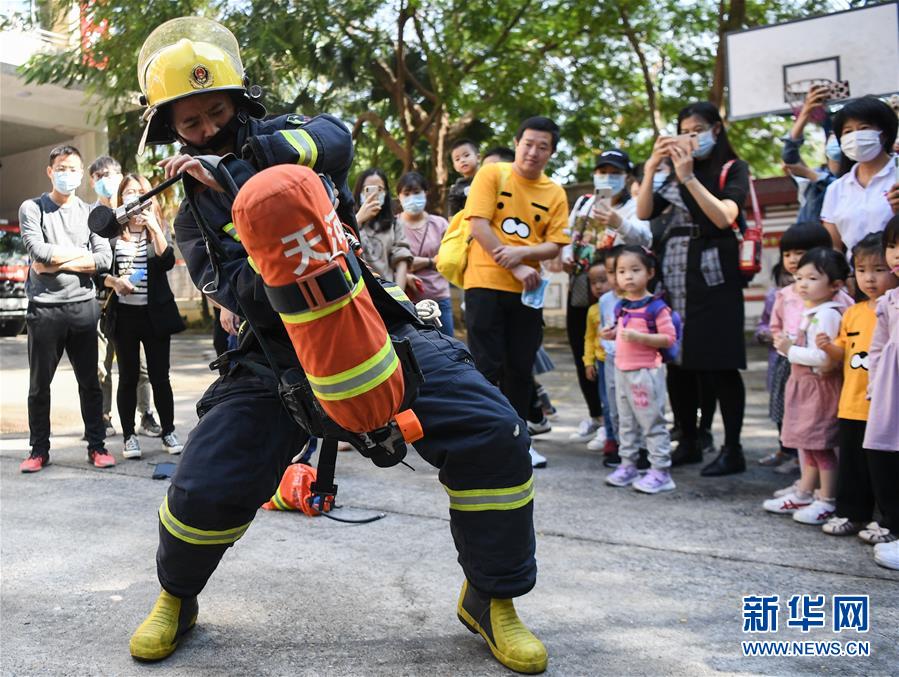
(841, 526)
(873, 533)
(773, 460)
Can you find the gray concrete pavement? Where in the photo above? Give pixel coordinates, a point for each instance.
(629, 584)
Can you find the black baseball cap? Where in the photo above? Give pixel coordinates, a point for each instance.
(614, 158)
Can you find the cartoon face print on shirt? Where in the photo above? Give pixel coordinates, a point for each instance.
(858, 360)
(520, 225)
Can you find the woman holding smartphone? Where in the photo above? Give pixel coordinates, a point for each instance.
(382, 236)
(701, 276)
(143, 311)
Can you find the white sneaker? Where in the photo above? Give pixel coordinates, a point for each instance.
(599, 440)
(817, 513)
(887, 554)
(539, 428)
(171, 444)
(537, 460)
(132, 447)
(586, 429)
(785, 505)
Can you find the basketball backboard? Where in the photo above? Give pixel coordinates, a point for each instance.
(860, 46)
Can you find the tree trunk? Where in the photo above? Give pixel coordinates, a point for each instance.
(735, 19)
(654, 115)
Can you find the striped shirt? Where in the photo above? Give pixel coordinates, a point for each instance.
(130, 260)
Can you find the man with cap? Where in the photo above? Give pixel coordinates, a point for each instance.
(194, 87)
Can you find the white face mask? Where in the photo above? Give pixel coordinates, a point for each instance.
(861, 146)
(415, 203)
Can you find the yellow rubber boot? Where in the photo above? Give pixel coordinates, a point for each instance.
(511, 643)
(157, 637)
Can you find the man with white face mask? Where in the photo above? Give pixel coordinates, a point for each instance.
(62, 310)
(866, 196)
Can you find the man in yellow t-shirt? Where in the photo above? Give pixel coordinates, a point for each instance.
(518, 216)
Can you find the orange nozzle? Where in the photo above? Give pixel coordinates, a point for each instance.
(409, 426)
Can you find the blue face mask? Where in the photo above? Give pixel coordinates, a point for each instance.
(832, 149)
(705, 143)
(67, 182)
(658, 180)
(613, 181)
(414, 204)
(107, 186)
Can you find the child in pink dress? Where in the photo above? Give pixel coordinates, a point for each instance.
(882, 433)
(812, 392)
(786, 316)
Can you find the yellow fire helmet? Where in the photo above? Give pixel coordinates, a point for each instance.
(187, 56)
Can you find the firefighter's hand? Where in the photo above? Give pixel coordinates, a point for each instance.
(230, 322)
(528, 276)
(185, 163)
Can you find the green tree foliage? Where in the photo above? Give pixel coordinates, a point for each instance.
(409, 76)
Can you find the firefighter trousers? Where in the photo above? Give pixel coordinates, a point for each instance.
(235, 456)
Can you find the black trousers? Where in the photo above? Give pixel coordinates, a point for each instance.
(235, 456)
(504, 335)
(69, 327)
(689, 389)
(132, 329)
(576, 325)
(865, 478)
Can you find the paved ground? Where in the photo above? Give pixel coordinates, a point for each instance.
(629, 584)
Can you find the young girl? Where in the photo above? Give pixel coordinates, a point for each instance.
(882, 433)
(639, 376)
(813, 389)
(786, 316)
(857, 476)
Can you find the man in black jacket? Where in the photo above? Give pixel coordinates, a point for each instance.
(236, 455)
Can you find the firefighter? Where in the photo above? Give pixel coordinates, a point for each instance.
(196, 93)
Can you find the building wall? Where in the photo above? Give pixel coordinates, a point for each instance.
(24, 175)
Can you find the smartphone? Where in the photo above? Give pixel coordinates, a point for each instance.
(838, 91)
(370, 190)
(689, 142)
(604, 193)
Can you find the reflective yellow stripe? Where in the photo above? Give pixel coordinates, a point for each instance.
(360, 379)
(189, 534)
(509, 498)
(279, 501)
(231, 230)
(310, 315)
(397, 293)
(253, 264)
(303, 144)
